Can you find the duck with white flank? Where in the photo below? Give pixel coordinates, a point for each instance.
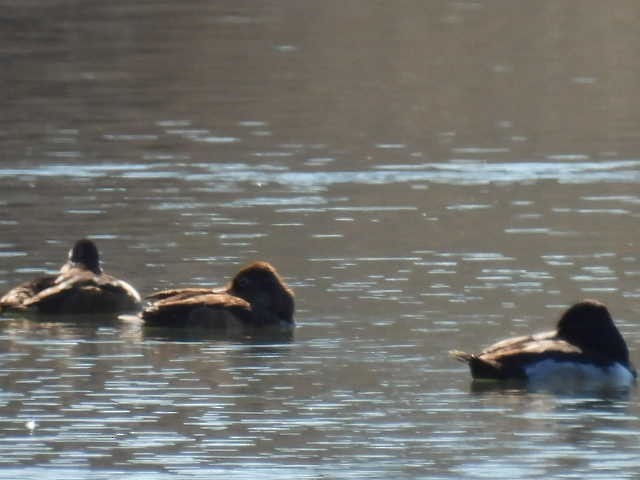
(81, 287)
(256, 297)
(586, 345)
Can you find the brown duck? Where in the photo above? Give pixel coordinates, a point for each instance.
(81, 287)
(256, 297)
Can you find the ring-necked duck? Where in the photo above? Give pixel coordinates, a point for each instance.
(80, 287)
(585, 345)
(256, 297)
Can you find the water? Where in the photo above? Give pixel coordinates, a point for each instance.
(426, 176)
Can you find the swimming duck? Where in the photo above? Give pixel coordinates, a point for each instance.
(256, 297)
(586, 344)
(80, 287)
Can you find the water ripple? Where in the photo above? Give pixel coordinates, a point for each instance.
(454, 172)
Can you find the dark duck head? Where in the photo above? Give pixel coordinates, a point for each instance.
(84, 254)
(589, 326)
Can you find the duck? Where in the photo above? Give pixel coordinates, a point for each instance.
(80, 287)
(586, 345)
(257, 296)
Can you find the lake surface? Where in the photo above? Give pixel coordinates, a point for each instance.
(425, 175)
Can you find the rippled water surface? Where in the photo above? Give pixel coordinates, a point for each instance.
(425, 175)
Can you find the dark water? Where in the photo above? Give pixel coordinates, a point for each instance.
(425, 175)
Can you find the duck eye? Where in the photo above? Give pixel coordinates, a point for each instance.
(243, 282)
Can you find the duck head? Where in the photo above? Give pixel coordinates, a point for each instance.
(84, 254)
(261, 286)
(588, 325)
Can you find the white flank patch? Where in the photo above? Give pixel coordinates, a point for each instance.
(569, 375)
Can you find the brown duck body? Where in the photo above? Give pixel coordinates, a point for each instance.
(256, 297)
(509, 359)
(81, 287)
(585, 337)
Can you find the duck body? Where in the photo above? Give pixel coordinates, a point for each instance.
(256, 297)
(215, 310)
(81, 287)
(585, 346)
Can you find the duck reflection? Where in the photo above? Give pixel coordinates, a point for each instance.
(519, 388)
(246, 335)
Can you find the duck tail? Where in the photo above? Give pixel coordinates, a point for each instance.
(462, 356)
(482, 368)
